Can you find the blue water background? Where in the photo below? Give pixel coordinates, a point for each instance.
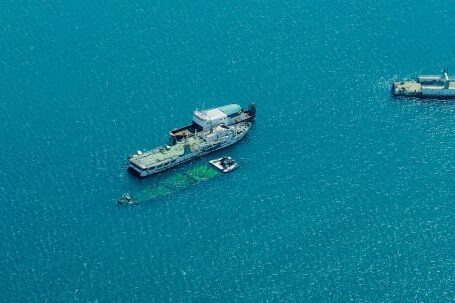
(344, 193)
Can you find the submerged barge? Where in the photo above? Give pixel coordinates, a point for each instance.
(427, 86)
(170, 184)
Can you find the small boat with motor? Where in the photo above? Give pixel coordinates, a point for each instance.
(127, 199)
(224, 164)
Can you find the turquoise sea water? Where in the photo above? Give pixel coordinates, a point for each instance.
(344, 194)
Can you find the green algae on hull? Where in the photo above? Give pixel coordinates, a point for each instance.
(173, 183)
(202, 173)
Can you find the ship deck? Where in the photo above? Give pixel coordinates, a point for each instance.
(158, 155)
(185, 131)
(407, 88)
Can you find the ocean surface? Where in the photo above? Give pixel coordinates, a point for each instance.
(344, 194)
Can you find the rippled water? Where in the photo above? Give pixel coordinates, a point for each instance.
(344, 194)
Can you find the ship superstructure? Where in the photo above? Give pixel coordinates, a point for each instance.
(427, 86)
(205, 120)
(187, 148)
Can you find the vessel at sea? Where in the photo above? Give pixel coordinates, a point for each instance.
(186, 149)
(211, 130)
(426, 86)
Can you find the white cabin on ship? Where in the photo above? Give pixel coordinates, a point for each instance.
(208, 119)
(228, 114)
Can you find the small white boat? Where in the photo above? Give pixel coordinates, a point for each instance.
(127, 199)
(225, 164)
